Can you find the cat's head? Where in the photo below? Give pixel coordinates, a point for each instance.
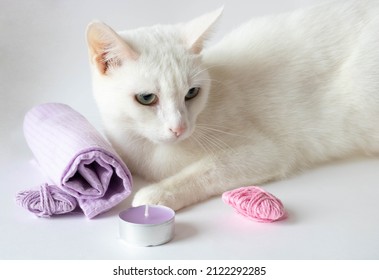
(151, 81)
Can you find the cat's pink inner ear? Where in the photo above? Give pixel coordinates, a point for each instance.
(106, 48)
(197, 31)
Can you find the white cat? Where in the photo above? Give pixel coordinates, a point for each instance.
(277, 95)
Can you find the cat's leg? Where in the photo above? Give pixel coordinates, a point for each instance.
(212, 175)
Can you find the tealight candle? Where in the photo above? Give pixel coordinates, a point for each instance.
(147, 225)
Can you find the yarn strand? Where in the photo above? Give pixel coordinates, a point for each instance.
(47, 201)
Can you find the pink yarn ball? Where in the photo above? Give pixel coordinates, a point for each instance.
(255, 204)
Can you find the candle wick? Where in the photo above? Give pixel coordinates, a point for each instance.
(146, 210)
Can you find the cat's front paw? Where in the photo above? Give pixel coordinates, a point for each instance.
(155, 194)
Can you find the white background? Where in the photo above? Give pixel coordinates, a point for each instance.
(333, 209)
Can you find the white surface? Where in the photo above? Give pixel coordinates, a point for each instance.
(333, 209)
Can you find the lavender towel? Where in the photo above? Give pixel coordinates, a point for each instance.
(76, 157)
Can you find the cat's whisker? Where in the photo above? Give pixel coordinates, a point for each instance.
(136, 140)
(215, 141)
(211, 152)
(207, 127)
(195, 138)
(205, 69)
(214, 152)
(204, 143)
(212, 81)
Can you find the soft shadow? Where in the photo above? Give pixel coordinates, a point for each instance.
(184, 231)
(290, 218)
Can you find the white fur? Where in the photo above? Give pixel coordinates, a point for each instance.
(278, 94)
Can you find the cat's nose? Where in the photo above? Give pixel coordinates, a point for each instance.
(178, 130)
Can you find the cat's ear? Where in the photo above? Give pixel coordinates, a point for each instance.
(199, 30)
(106, 48)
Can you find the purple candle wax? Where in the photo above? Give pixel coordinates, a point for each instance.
(155, 214)
(147, 225)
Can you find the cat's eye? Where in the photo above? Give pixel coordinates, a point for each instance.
(193, 92)
(147, 98)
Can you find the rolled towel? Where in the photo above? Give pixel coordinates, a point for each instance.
(75, 156)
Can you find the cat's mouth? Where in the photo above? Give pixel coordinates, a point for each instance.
(172, 137)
